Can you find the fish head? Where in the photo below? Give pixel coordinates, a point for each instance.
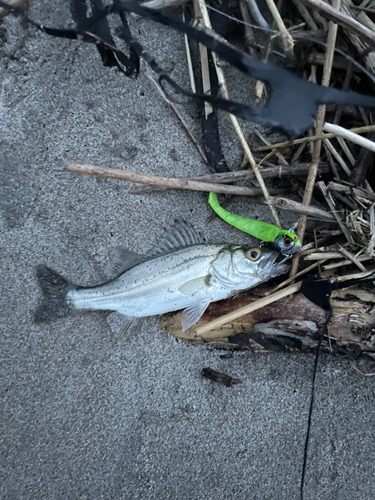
(261, 264)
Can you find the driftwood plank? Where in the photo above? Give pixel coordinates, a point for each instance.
(290, 325)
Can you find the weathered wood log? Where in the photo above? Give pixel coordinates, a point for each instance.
(292, 324)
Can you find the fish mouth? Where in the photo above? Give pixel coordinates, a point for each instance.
(279, 261)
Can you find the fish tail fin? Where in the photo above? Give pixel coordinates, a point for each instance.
(54, 289)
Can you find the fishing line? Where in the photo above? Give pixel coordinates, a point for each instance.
(307, 439)
(319, 291)
(255, 26)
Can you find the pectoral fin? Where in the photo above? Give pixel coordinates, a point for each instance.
(119, 323)
(191, 287)
(192, 314)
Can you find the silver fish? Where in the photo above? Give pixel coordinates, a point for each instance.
(180, 272)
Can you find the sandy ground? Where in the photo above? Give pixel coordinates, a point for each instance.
(91, 415)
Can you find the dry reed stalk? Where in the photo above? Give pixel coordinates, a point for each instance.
(240, 175)
(337, 156)
(322, 256)
(351, 257)
(311, 178)
(313, 138)
(334, 265)
(170, 182)
(288, 42)
(354, 276)
(334, 15)
(350, 136)
(306, 16)
(264, 301)
(297, 275)
(263, 139)
(357, 191)
(189, 61)
(337, 216)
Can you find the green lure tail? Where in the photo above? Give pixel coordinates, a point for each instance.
(286, 241)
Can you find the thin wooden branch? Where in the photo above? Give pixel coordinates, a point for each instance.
(294, 206)
(334, 265)
(337, 156)
(257, 15)
(170, 182)
(345, 201)
(249, 40)
(351, 257)
(333, 14)
(259, 84)
(363, 164)
(300, 273)
(287, 40)
(361, 193)
(240, 175)
(338, 217)
(127, 175)
(227, 318)
(313, 138)
(311, 178)
(316, 58)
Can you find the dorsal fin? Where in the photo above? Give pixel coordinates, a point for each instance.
(180, 235)
(120, 260)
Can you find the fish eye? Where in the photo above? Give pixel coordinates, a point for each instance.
(253, 254)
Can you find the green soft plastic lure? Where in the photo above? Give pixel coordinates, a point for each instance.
(286, 241)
